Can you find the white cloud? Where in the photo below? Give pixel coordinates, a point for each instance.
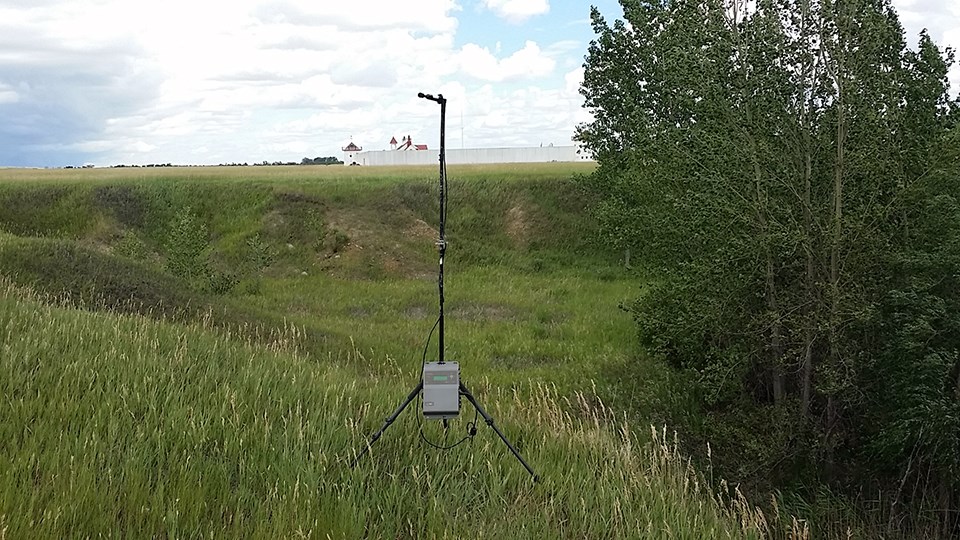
(431, 16)
(187, 81)
(517, 11)
(528, 62)
(941, 19)
(527, 116)
(142, 147)
(136, 81)
(8, 94)
(573, 81)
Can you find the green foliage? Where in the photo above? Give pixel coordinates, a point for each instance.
(330, 160)
(337, 240)
(259, 257)
(911, 374)
(187, 245)
(131, 246)
(297, 219)
(778, 168)
(222, 282)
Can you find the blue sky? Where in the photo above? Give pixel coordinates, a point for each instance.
(217, 81)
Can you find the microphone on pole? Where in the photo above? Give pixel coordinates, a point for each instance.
(431, 97)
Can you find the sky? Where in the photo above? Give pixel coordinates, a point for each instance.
(204, 82)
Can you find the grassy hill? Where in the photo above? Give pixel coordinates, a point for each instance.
(201, 352)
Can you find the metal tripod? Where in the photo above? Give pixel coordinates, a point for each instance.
(463, 392)
(442, 247)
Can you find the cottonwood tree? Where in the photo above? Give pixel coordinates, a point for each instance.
(766, 161)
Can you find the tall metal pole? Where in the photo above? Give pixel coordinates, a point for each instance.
(443, 206)
(442, 245)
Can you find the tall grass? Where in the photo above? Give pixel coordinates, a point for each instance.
(124, 426)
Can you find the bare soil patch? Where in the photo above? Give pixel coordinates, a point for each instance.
(518, 226)
(422, 230)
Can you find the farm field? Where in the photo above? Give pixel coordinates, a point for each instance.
(199, 352)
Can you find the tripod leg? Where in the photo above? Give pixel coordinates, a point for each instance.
(390, 419)
(466, 393)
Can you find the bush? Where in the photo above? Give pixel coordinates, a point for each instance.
(187, 245)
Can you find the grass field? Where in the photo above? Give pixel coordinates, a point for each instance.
(200, 352)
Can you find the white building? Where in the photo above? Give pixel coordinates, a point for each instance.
(350, 152)
(408, 153)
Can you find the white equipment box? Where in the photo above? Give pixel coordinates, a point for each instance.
(441, 390)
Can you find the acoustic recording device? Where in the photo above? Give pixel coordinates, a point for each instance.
(441, 390)
(440, 385)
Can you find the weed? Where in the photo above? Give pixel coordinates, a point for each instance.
(131, 246)
(187, 245)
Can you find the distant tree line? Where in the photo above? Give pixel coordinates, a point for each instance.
(122, 166)
(329, 160)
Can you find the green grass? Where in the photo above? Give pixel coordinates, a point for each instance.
(139, 403)
(559, 327)
(120, 425)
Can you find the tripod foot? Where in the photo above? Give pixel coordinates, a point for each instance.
(490, 422)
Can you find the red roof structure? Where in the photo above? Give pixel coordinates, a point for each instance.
(407, 144)
(352, 148)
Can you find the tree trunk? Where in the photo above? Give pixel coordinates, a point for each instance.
(806, 384)
(831, 421)
(838, 171)
(948, 522)
(775, 346)
(833, 322)
(837, 227)
(956, 378)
